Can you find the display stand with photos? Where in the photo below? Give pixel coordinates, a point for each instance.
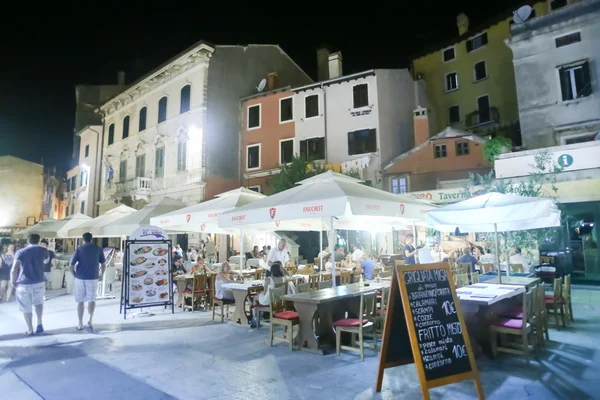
(424, 325)
(147, 274)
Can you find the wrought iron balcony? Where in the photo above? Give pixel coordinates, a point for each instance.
(483, 117)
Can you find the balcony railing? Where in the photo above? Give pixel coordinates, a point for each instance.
(483, 117)
(134, 187)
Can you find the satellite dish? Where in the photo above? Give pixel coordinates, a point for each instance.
(522, 14)
(261, 85)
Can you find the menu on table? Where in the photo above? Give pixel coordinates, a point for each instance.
(439, 333)
(149, 279)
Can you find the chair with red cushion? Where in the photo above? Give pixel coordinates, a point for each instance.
(358, 326)
(283, 317)
(381, 308)
(516, 327)
(538, 319)
(555, 303)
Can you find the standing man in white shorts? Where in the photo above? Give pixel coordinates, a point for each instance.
(27, 276)
(85, 263)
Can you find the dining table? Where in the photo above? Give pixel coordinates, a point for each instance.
(325, 304)
(240, 294)
(520, 279)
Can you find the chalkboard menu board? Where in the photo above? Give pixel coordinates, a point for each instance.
(424, 308)
(436, 323)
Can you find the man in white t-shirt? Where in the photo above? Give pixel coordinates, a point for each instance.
(357, 255)
(279, 253)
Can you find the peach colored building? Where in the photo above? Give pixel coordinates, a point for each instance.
(267, 135)
(438, 162)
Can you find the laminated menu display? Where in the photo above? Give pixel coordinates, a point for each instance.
(423, 307)
(147, 275)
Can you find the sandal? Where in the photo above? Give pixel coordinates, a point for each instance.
(29, 333)
(79, 328)
(90, 328)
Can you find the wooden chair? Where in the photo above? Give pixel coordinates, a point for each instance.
(538, 320)
(357, 326)
(464, 268)
(198, 291)
(488, 267)
(326, 277)
(251, 294)
(376, 271)
(313, 281)
(325, 284)
(566, 294)
(381, 310)
(516, 268)
(474, 277)
(283, 317)
(318, 263)
(462, 280)
(356, 276)
(520, 327)
(555, 303)
(303, 287)
(345, 277)
(223, 303)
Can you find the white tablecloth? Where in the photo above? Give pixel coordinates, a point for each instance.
(488, 293)
(242, 286)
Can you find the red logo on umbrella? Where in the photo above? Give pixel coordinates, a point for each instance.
(402, 209)
(272, 212)
(188, 217)
(202, 227)
(277, 223)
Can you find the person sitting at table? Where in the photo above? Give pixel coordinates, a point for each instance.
(255, 253)
(368, 266)
(328, 263)
(323, 253)
(178, 269)
(339, 254)
(200, 267)
(468, 258)
(437, 254)
(263, 263)
(488, 257)
(518, 258)
(221, 279)
(264, 297)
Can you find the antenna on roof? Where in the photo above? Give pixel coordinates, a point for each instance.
(261, 85)
(522, 14)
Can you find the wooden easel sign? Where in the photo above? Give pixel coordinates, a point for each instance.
(423, 310)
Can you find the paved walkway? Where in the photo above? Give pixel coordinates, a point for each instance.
(187, 356)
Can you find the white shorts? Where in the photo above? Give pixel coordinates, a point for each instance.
(30, 295)
(85, 290)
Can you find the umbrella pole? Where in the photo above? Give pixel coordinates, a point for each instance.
(331, 243)
(321, 245)
(498, 255)
(241, 249)
(414, 231)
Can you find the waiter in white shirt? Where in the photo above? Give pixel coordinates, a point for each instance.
(357, 255)
(279, 253)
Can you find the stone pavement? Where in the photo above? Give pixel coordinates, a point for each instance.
(187, 356)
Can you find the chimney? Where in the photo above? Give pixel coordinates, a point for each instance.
(335, 65)
(322, 64)
(121, 78)
(272, 81)
(462, 22)
(421, 125)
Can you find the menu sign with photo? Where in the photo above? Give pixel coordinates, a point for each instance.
(147, 277)
(424, 308)
(149, 280)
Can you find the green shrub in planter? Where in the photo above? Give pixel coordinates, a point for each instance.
(494, 147)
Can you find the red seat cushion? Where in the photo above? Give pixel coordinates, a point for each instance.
(514, 312)
(550, 301)
(196, 291)
(289, 315)
(350, 322)
(512, 323)
(379, 296)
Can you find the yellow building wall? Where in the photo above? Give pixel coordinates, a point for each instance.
(21, 192)
(499, 85)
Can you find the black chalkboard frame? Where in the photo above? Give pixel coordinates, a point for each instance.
(394, 312)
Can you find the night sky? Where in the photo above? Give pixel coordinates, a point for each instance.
(47, 53)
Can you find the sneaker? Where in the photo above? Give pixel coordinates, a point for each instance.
(39, 329)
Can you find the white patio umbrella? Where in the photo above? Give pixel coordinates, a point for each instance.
(493, 212)
(341, 200)
(94, 226)
(35, 228)
(129, 223)
(60, 229)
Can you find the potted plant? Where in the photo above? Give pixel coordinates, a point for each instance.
(495, 147)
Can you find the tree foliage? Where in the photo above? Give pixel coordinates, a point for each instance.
(539, 183)
(298, 169)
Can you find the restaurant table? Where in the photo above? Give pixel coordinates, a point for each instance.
(325, 302)
(240, 293)
(527, 280)
(488, 293)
